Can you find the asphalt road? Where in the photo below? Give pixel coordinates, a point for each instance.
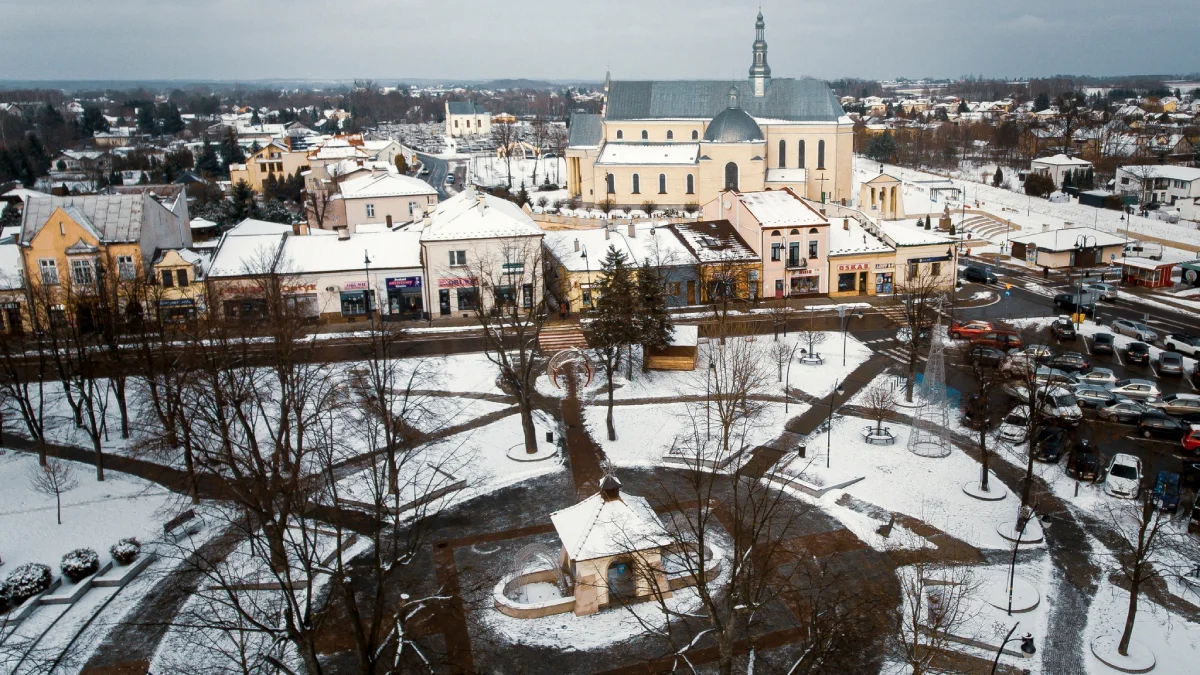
(438, 170)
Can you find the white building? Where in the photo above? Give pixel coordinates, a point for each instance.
(1058, 166)
(383, 197)
(1165, 184)
(467, 118)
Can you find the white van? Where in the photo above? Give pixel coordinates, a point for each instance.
(1144, 249)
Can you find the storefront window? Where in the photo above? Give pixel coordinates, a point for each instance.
(506, 296)
(883, 283)
(806, 285)
(527, 296)
(846, 282)
(935, 269)
(468, 297)
(354, 303)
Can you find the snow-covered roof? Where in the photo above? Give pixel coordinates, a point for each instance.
(251, 226)
(1065, 239)
(246, 254)
(715, 241)
(906, 233)
(1170, 171)
(787, 175)
(11, 277)
(781, 208)
(654, 242)
(1062, 160)
(598, 527)
(388, 250)
(202, 224)
(856, 239)
(380, 185)
(463, 216)
(649, 153)
(684, 336)
(1146, 263)
(338, 148)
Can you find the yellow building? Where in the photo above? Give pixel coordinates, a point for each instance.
(679, 143)
(179, 291)
(275, 159)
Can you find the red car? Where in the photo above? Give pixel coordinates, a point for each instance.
(1191, 440)
(969, 329)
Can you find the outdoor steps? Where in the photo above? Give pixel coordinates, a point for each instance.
(557, 338)
(985, 227)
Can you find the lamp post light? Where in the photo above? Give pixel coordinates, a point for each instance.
(367, 274)
(843, 317)
(712, 373)
(1027, 646)
(587, 265)
(788, 378)
(837, 389)
(1081, 244)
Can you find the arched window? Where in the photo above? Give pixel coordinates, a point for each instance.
(775, 233)
(611, 182)
(620, 134)
(783, 154)
(662, 183)
(691, 184)
(731, 176)
(801, 165)
(645, 134)
(670, 135)
(695, 134)
(794, 231)
(637, 184)
(820, 154)
(814, 231)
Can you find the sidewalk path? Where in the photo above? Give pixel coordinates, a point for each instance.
(584, 452)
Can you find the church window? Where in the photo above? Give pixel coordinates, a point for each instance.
(620, 134)
(645, 135)
(731, 176)
(783, 154)
(820, 155)
(662, 183)
(637, 184)
(611, 182)
(695, 134)
(814, 231)
(670, 135)
(801, 151)
(691, 184)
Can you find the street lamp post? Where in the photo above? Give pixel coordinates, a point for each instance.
(587, 264)
(788, 378)
(712, 372)
(1080, 245)
(1027, 646)
(367, 273)
(837, 389)
(843, 317)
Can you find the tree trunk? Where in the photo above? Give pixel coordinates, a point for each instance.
(912, 376)
(984, 456)
(58, 504)
(526, 405)
(1134, 585)
(122, 405)
(612, 429)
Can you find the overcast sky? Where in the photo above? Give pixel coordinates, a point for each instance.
(562, 39)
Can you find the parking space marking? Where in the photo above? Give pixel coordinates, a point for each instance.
(1154, 370)
(1151, 440)
(1191, 384)
(1117, 354)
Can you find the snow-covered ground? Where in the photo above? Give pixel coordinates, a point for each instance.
(1174, 640)
(491, 171)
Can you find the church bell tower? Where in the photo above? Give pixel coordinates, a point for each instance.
(760, 72)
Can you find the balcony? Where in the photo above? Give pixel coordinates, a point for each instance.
(797, 263)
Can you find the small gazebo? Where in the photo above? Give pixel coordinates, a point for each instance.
(612, 544)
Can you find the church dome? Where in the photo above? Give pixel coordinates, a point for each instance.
(733, 125)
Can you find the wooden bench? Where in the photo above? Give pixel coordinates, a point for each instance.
(870, 436)
(186, 523)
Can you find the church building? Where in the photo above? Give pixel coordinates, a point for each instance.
(679, 143)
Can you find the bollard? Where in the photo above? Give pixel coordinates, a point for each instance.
(549, 436)
(801, 449)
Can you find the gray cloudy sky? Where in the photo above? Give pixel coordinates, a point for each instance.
(566, 39)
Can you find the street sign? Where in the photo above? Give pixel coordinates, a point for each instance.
(1007, 293)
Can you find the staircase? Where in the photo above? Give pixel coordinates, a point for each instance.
(986, 227)
(559, 337)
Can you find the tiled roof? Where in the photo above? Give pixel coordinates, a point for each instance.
(586, 130)
(715, 241)
(112, 218)
(465, 108)
(794, 100)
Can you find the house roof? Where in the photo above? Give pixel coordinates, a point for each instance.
(461, 217)
(907, 233)
(649, 153)
(465, 108)
(656, 243)
(854, 239)
(111, 218)
(250, 226)
(715, 241)
(380, 185)
(597, 527)
(1146, 263)
(586, 130)
(246, 254)
(387, 250)
(794, 100)
(1065, 239)
(11, 277)
(1062, 160)
(781, 208)
(1183, 173)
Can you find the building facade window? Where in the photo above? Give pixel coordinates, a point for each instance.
(731, 176)
(49, 270)
(691, 184)
(935, 269)
(636, 184)
(845, 281)
(670, 135)
(645, 135)
(914, 270)
(125, 267)
(794, 254)
(620, 134)
(800, 151)
(820, 154)
(783, 154)
(610, 182)
(168, 279)
(695, 135)
(776, 251)
(662, 183)
(812, 249)
(181, 278)
(458, 258)
(468, 297)
(82, 271)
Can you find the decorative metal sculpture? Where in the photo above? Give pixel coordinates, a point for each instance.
(572, 356)
(927, 437)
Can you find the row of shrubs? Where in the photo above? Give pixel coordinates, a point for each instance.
(29, 579)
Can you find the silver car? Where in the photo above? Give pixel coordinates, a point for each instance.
(1134, 329)
(1105, 291)
(1136, 389)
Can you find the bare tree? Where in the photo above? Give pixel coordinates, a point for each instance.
(24, 371)
(987, 380)
(880, 405)
(53, 479)
(811, 336)
(918, 296)
(780, 313)
(934, 605)
(506, 138)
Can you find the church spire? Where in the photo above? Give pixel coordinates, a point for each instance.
(760, 72)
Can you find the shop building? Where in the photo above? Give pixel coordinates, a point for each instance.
(860, 262)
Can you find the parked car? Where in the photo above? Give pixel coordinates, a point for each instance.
(1166, 491)
(1099, 376)
(1014, 428)
(1042, 353)
(1105, 291)
(1017, 364)
(1123, 410)
(1184, 343)
(1124, 477)
(1191, 440)
(969, 329)
(978, 274)
(1046, 374)
(1154, 424)
(1094, 395)
(1170, 363)
(1103, 343)
(1051, 444)
(1070, 361)
(1083, 462)
(988, 356)
(1056, 402)
(1136, 389)
(1178, 404)
(1084, 301)
(1063, 329)
(450, 179)
(1134, 329)
(1137, 352)
(1001, 339)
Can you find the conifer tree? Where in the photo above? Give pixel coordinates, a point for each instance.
(997, 178)
(208, 164)
(653, 321)
(613, 327)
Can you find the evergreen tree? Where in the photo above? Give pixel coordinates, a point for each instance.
(1042, 101)
(963, 107)
(882, 148)
(11, 216)
(652, 321)
(169, 120)
(231, 152)
(274, 211)
(613, 327)
(208, 164)
(255, 120)
(92, 121)
(1068, 180)
(242, 197)
(145, 119)
(998, 178)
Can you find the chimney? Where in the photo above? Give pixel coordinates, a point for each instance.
(610, 488)
(343, 234)
(846, 224)
(632, 231)
(577, 245)
(388, 218)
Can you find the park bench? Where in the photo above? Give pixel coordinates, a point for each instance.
(885, 437)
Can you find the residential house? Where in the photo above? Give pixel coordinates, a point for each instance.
(179, 289)
(727, 267)
(1163, 184)
(13, 298)
(379, 196)
(1059, 166)
(275, 159)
